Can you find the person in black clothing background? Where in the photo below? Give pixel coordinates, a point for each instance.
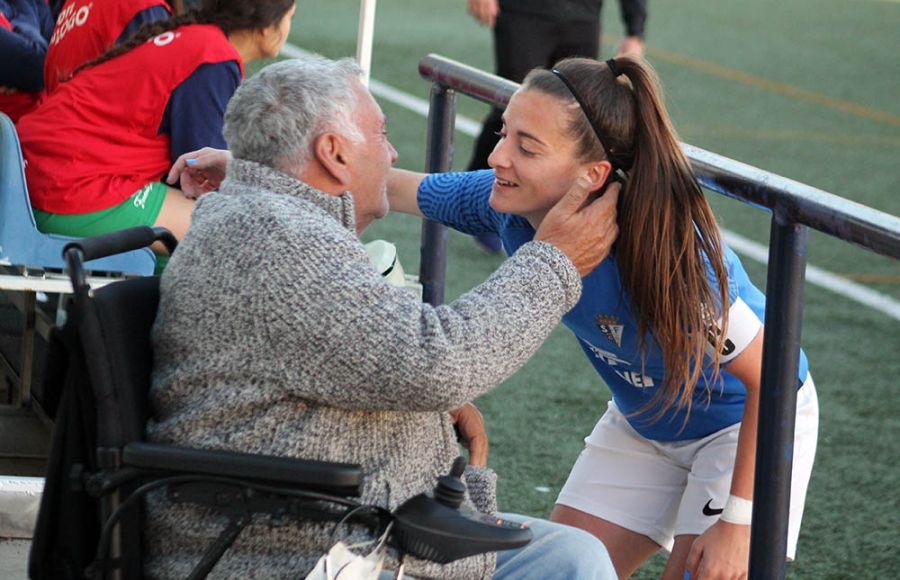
(538, 33)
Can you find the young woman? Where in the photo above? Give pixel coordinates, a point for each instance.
(670, 320)
(98, 146)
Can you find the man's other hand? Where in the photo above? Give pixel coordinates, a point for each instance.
(470, 425)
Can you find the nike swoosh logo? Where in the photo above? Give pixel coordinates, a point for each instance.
(708, 511)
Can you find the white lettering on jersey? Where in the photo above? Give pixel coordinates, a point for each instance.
(633, 378)
(165, 38)
(69, 19)
(606, 356)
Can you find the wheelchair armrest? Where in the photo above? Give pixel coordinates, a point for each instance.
(343, 479)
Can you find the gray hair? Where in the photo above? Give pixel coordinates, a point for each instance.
(275, 115)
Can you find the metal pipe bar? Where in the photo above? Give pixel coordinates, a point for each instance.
(778, 397)
(438, 159)
(22, 395)
(844, 219)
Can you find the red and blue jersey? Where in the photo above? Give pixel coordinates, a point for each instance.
(85, 29)
(605, 325)
(96, 140)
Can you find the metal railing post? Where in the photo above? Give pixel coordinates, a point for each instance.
(438, 158)
(778, 397)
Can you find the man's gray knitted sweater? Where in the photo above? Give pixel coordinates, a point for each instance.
(276, 335)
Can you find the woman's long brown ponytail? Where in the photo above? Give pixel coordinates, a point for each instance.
(668, 237)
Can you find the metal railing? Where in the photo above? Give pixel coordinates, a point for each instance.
(794, 206)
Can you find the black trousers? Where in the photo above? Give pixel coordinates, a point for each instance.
(526, 41)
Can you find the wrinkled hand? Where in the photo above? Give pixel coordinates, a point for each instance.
(583, 230)
(484, 11)
(203, 174)
(722, 552)
(470, 424)
(632, 45)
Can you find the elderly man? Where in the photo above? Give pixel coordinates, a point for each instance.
(276, 335)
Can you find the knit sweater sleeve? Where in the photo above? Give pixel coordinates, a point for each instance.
(369, 345)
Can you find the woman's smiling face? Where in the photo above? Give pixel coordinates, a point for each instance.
(535, 162)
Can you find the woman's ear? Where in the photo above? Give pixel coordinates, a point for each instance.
(331, 152)
(269, 38)
(597, 174)
(262, 36)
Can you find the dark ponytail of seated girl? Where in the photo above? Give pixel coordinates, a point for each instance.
(667, 231)
(228, 15)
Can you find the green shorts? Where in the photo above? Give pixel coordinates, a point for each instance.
(141, 209)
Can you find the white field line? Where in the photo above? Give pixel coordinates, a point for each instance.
(745, 246)
(820, 277)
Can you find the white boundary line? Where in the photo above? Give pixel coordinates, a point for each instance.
(745, 246)
(407, 101)
(820, 277)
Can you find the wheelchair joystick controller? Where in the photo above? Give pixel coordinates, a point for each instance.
(439, 527)
(450, 490)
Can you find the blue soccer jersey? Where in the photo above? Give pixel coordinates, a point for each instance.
(604, 324)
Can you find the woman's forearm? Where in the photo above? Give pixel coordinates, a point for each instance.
(403, 190)
(748, 368)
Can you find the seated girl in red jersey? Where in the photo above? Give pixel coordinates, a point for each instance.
(25, 29)
(85, 29)
(98, 146)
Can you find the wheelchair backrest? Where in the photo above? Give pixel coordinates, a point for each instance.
(125, 312)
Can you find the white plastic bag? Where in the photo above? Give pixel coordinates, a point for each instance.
(340, 563)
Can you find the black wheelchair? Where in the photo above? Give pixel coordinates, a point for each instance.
(100, 466)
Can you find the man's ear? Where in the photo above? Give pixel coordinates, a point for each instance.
(597, 173)
(331, 153)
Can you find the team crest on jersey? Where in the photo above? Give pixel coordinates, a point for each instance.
(610, 327)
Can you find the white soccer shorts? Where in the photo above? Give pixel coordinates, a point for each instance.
(666, 489)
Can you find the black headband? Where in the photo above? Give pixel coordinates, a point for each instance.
(584, 109)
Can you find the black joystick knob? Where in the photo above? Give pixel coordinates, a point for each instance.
(450, 490)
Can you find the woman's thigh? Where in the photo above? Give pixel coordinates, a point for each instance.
(623, 490)
(624, 479)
